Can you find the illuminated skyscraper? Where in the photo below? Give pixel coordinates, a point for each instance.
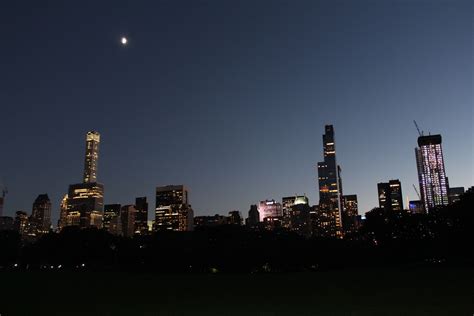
(431, 173)
(390, 195)
(111, 213)
(298, 214)
(41, 215)
(350, 221)
(85, 201)
(91, 157)
(173, 211)
(330, 187)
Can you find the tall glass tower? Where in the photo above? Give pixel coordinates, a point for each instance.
(431, 172)
(330, 186)
(92, 157)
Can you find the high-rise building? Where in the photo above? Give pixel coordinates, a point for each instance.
(287, 204)
(112, 218)
(454, 194)
(299, 215)
(127, 215)
(91, 157)
(21, 222)
(41, 215)
(63, 212)
(270, 208)
(350, 215)
(330, 186)
(173, 211)
(254, 216)
(86, 200)
(431, 173)
(390, 195)
(141, 215)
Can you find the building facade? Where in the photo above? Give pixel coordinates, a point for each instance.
(330, 186)
(40, 219)
(350, 217)
(431, 173)
(454, 194)
(390, 195)
(127, 216)
(141, 215)
(173, 211)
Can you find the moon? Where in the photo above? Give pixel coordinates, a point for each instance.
(124, 41)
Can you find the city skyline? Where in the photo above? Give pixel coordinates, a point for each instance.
(90, 174)
(229, 105)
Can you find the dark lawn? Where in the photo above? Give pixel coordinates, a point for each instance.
(442, 291)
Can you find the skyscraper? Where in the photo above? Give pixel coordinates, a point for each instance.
(111, 213)
(141, 215)
(330, 186)
(21, 222)
(127, 215)
(91, 157)
(431, 173)
(41, 214)
(85, 201)
(390, 195)
(350, 221)
(173, 211)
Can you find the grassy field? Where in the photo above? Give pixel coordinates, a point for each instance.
(440, 291)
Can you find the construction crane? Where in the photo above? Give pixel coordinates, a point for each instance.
(418, 129)
(417, 193)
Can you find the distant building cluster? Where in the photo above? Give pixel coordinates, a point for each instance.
(335, 216)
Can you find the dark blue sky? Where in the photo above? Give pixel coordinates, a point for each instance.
(231, 97)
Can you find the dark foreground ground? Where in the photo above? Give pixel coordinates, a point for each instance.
(440, 291)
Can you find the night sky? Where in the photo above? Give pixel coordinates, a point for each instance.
(231, 97)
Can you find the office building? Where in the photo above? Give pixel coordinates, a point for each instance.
(454, 194)
(390, 196)
(270, 208)
(127, 216)
(350, 222)
(111, 213)
(330, 186)
(431, 173)
(141, 215)
(40, 219)
(21, 222)
(173, 211)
